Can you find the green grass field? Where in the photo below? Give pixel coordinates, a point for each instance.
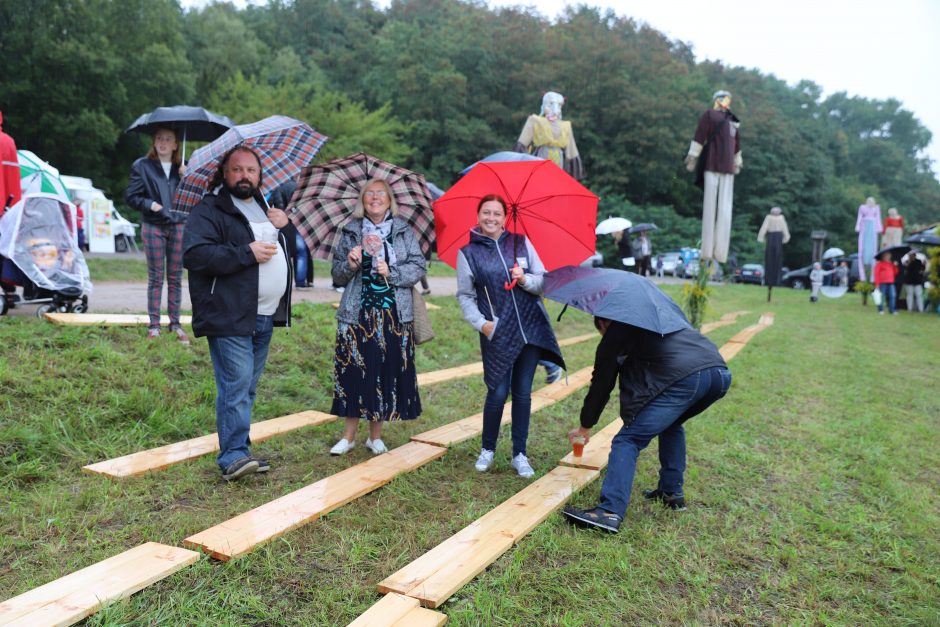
(813, 487)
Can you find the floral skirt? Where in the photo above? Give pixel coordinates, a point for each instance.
(374, 368)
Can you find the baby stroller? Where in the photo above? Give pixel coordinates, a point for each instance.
(39, 251)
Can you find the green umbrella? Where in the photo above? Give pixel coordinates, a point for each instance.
(37, 175)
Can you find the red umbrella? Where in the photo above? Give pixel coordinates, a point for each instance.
(553, 210)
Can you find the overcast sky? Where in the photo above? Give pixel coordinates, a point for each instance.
(867, 48)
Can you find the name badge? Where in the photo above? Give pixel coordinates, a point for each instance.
(523, 262)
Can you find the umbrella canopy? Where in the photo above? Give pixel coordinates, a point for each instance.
(328, 193)
(896, 252)
(284, 144)
(553, 210)
(502, 157)
(37, 176)
(643, 226)
(615, 295)
(612, 225)
(193, 123)
(924, 239)
(833, 253)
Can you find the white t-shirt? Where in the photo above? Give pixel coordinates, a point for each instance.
(272, 275)
(167, 166)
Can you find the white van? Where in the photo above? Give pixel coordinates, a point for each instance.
(83, 191)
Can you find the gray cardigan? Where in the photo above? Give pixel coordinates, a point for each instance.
(408, 270)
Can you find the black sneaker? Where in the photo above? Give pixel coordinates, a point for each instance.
(263, 465)
(239, 468)
(672, 501)
(597, 518)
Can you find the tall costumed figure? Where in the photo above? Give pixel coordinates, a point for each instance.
(774, 233)
(548, 136)
(868, 226)
(715, 157)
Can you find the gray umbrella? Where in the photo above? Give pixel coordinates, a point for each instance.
(924, 239)
(616, 295)
(193, 123)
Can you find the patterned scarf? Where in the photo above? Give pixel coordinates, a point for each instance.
(375, 239)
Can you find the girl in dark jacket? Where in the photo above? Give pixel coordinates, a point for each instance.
(150, 191)
(515, 332)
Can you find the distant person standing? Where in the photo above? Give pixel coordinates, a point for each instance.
(644, 250)
(239, 284)
(150, 191)
(774, 233)
(914, 270)
(624, 251)
(885, 273)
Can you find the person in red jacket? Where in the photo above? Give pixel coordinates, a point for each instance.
(9, 171)
(886, 271)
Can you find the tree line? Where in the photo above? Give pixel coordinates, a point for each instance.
(436, 84)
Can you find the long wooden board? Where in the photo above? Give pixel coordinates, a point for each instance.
(394, 610)
(569, 341)
(436, 575)
(242, 534)
(734, 345)
(597, 450)
(466, 428)
(108, 319)
(160, 458)
(436, 376)
(728, 318)
(76, 596)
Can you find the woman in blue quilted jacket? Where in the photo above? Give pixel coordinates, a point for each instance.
(515, 331)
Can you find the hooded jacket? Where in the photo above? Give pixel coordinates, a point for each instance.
(223, 271)
(647, 363)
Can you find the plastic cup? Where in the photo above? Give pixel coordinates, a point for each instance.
(577, 445)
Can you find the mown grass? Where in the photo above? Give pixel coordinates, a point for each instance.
(126, 268)
(813, 486)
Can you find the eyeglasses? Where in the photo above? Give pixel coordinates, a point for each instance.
(376, 194)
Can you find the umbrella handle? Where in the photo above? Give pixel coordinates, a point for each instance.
(508, 285)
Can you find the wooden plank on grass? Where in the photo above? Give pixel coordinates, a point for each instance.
(597, 450)
(436, 575)
(76, 596)
(108, 319)
(578, 339)
(395, 610)
(160, 458)
(436, 376)
(242, 534)
(725, 320)
(741, 338)
(563, 388)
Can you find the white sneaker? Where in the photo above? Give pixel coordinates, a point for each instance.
(521, 463)
(342, 447)
(485, 460)
(377, 446)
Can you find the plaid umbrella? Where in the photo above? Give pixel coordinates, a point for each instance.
(284, 144)
(327, 193)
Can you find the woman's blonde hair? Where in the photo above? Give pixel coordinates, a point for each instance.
(177, 158)
(360, 210)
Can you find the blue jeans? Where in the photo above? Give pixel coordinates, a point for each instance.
(663, 417)
(301, 259)
(238, 361)
(889, 296)
(519, 379)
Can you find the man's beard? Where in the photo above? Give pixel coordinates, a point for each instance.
(242, 189)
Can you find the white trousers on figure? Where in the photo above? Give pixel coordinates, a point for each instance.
(716, 216)
(914, 293)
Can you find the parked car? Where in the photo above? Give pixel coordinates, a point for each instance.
(692, 270)
(749, 273)
(673, 264)
(594, 261)
(799, 279)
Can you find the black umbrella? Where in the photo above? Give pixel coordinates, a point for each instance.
(896, 252)
(615, 295)
(193, 123)
(924, 239)
(643, 226)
